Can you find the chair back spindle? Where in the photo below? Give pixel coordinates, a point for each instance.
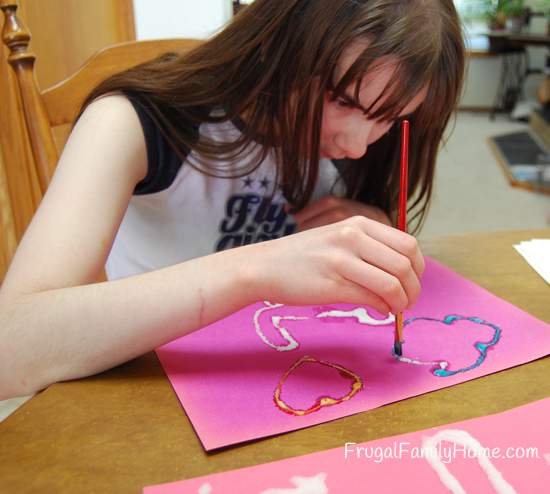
(16, 37)
(59, 104)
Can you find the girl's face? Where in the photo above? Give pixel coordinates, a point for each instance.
(346, 131)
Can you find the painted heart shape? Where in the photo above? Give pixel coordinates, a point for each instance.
(443, 368)
(322, 401)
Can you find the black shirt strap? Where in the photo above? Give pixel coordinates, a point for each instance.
(163, 163)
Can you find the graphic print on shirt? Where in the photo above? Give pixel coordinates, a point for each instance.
(251, 216)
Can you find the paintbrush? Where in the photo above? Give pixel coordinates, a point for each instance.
(402, 223)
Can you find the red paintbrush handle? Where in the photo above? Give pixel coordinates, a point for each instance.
(403, 185)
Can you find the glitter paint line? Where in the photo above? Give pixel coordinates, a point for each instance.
(291, 344)
(438, 364)
(460, 437)
(322, 401)
(205, 489)
(482, 347)
(440, 368)
(360, 314)
(303, 485)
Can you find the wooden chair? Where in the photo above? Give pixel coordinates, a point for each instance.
(59, 104)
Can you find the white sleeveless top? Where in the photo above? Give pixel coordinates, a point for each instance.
(196, 214)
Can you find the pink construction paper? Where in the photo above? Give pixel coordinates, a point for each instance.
(226, 375)
(514, 457)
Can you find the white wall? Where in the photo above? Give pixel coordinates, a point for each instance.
(180, 18)
(484, 73)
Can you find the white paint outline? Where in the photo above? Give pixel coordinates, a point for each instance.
(303, 485)
(361, 314)
(463, 438)
(441, 364)
(205, 488)
(291, 344)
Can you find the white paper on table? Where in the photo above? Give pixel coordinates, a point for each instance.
(537, 254)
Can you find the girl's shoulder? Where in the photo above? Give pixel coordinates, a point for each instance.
(102, 161)
(112, 104)
(113, 118)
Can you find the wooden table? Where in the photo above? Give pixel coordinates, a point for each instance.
(124, 429)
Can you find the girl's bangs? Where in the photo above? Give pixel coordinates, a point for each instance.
(401, 89)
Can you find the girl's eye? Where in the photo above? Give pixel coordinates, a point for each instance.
(342, 103)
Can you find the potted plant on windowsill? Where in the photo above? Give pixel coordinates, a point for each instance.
(494, 12)
(514, 10)
(493, 15)
(496, 21)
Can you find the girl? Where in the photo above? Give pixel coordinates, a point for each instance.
(185, 176)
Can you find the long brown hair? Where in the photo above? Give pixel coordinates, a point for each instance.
(276, 61)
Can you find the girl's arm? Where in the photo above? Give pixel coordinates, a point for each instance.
(56, 324)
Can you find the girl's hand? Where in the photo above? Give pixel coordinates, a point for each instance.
(331, 209)
(358, 261)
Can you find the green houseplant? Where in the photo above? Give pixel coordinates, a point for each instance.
(514, 11)
(512, 8)
(493, 14)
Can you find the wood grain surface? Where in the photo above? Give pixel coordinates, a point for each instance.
(124, 429)
(64, 33)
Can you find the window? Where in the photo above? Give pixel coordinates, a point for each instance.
(474, 18)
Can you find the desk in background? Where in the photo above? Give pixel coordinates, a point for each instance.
(123, 429)
(515, 65)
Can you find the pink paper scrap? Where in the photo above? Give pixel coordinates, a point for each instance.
(504, 453)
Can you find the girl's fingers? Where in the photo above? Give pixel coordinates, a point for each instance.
(377, 254)
(379, 282)
(399, 241)
(384, 218)
(352, 293)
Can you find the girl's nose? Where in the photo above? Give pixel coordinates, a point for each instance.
(355, 149)
(356, 139)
